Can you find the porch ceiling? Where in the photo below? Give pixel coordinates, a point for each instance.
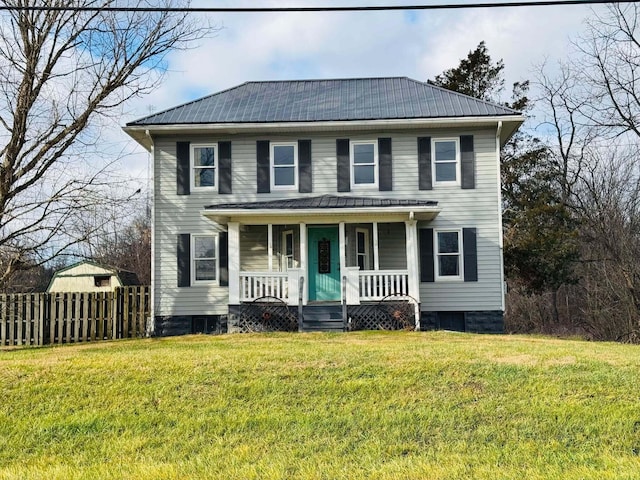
(323, 209)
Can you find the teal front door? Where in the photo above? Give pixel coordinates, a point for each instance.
(324, 264)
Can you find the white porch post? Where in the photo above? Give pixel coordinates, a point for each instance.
(304, 262)
(270, 245)
(412, 259)
(343, 248)
(233, 230)
(376, 253)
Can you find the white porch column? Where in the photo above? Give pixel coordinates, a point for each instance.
(304, 260)
(343, 248)
(270, 245)
(233, 230)
(376, 253)
(413, 259)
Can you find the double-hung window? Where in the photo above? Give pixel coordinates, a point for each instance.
(362, 248)
(448, 254)
(287, 250)
(284, 166)
(364, 163)
(203, 166)
(446, 160)
(204, 258)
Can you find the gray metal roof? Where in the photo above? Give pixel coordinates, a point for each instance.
(323, 201)
(326, 100)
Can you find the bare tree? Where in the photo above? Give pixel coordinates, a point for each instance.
(608, 70)
(65, 72)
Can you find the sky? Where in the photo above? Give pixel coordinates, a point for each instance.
(289, 46)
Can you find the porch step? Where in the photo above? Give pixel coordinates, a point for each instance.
(322, 318)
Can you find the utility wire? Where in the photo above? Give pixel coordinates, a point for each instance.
(444, 6)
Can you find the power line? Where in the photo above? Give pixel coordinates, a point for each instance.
(444, 6)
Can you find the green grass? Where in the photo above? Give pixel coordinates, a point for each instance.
(314, 406)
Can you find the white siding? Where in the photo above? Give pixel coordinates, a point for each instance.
(478, 208)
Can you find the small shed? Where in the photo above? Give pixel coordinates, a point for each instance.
(88, 276)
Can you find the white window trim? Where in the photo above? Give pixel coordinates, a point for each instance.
(193, 259)
(376, 163)
(458, 162)
(436, 249)
(285, 267)
(366, 247)
(192, 166)
(272, 166)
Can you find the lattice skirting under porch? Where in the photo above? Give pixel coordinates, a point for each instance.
(387, 315)
(269, 316)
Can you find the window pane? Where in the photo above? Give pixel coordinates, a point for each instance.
(363, 174)
(363, 153)
(283, 155)
(204, 157)
(289, 244)
(445, 151)
(205, 269)
(205, 177)
(360, 247)
(448, 242)
(445, 172)
(204, 247)
(448, 265)
(284, 176)
(361, 262)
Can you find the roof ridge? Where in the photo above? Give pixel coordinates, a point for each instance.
(337, 79)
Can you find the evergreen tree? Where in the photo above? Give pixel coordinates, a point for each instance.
(476, 76)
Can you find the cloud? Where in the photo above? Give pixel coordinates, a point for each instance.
(418, 44)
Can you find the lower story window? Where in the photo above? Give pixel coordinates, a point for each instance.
(287, 250)
(448, 254)
(205, 262)
(362, 248)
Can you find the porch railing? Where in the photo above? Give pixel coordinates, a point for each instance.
(263, 284)
(377, 284)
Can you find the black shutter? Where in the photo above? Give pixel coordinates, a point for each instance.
(344, 176)
(467, 162)
(182, 168)
(305, 184)
(223, 252)
(470, 250)
(427, 272)
(263, 177)
(425, 181)
(224, 167)
(184, 259)
(385, 168)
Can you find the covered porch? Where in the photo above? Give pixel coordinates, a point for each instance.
(322, 250)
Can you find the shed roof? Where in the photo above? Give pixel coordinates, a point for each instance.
(326, 100)
(324, 201)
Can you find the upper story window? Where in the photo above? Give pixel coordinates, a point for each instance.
(446, 160)
(448, 255)
(284, 166)
(203, 166)
(204, 258)
(364, 163)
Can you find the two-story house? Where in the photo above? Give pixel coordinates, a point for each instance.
(329, 197)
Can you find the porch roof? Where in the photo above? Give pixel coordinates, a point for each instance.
(325, 208)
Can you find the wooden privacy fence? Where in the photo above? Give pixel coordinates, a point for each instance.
(48, 318)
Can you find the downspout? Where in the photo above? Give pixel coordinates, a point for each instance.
(151, 321)
(500, 233)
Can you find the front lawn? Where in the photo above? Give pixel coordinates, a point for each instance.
(322, 406)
